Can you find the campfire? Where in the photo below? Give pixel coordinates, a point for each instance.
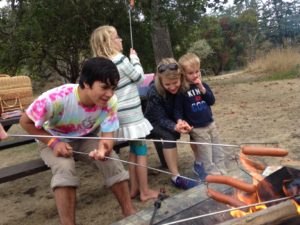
(271, 198)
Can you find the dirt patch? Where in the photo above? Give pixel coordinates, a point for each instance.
(245, 112)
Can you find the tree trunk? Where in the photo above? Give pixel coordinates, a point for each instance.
(160, 36)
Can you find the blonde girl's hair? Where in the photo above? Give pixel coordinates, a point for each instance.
(169, 74)
(188, 60)
(101, 41)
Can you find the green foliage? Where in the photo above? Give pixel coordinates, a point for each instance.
(280, 21)
(43, 37)
(52, 36)
(224, 36)
(201, 48)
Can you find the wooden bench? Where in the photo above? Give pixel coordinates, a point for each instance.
(31, 167)
(15, 143)
(22, 170)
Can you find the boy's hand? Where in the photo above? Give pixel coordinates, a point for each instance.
(63, 149)
(98, 154)
(104, 147)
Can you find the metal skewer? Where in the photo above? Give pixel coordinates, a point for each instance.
(147, 167)
(124, 139)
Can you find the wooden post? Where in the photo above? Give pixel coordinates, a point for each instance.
(272, 215)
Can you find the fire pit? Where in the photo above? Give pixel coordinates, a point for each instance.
(271, 199)
(199, 206)
(283, 184)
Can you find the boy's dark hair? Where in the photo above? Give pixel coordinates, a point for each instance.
(99, 69)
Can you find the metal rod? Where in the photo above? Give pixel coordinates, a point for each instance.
(130, 26)
(147, 167)
(229, 210)
(124, 139)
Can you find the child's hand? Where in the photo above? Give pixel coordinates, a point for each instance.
(132, 52)
(197, 81)
(186, 127)
(183, 127)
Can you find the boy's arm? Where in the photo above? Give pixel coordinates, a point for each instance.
(60, 148)
(108, 126)
(28, 125)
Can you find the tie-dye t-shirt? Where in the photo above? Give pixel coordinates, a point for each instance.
(60, 113)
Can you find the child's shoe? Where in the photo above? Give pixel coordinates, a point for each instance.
(199, 170)
(184, 183)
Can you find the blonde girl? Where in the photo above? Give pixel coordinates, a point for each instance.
(106, 42)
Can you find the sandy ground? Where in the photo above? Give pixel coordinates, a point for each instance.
(246, 111)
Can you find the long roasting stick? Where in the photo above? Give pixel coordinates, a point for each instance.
(137, 139)
(247, 150)
(124, 139)
(147, 167)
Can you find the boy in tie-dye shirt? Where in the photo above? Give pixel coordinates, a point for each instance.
(74, 110)
(60, 112)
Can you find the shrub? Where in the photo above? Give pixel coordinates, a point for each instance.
(201, 48)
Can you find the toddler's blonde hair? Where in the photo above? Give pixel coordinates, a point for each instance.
(101, 41)
(188, 60)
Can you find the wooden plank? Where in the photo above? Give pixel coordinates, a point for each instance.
(16, 142)
(10, 121)
(7, 123)
(24, 169)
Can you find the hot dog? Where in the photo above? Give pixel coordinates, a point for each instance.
(250, 188)
(264, 151)
(252, 163)
(226, 199)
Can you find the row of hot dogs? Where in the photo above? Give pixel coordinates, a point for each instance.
(235, 183)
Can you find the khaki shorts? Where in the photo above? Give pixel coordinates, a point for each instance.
(63, 169)
(210, 154)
